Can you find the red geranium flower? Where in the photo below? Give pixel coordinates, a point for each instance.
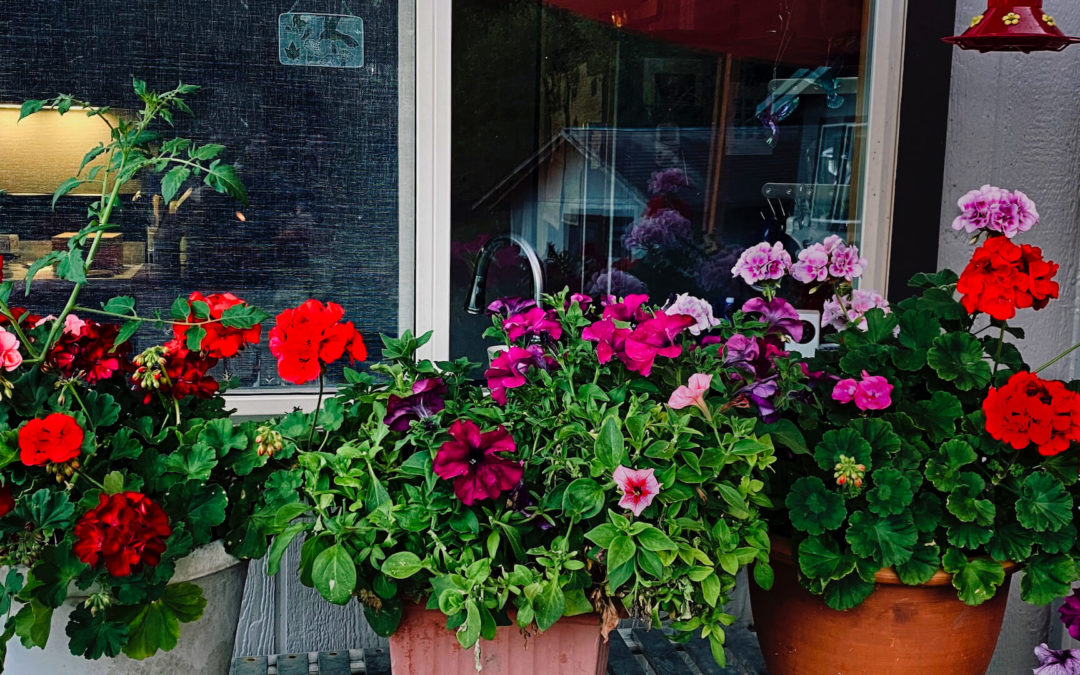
(310, 336)
(221, 341)
(126, 530)
(19, 313)
(182, 373)
(1032, 410)
(1003, 277)
(474, 462)
(7, 501)
(57, 438)
(89, 353)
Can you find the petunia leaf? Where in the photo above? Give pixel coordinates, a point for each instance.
(813, 508)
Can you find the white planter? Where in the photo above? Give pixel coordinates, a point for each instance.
(205, 646)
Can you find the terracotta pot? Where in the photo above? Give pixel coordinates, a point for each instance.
(423, 646)
(898, 630)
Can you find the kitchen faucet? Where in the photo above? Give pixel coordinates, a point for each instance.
(477, 297)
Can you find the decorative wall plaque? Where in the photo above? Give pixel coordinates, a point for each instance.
(321, 39)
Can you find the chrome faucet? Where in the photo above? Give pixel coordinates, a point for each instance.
(477, 297)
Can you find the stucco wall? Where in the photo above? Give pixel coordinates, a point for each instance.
(1014, 121)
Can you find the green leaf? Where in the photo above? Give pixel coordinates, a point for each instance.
(93, 636)
(113, 482)
(812, 508)
(157, 625)
(977, 580)
(66, 187)
(40, 264)
(764, 575)
(1010, 542)
(820, 557)
(847, 442)
(402, 565)
(222, 435)
(126, 331)
(185, 600)
(784, 432)
(584, 498)
(958, 358)
(195, 462)
(848, 592)
(47, 509)
(224, 179)
(710, 589)
(55, 571)
(243, 316)
(470, 630)
(202, 505)
(71, 267)
(621, 551)
(940, 303)
(888, 540)
(92, 154)
(891, 494)
(102, 408)
(964, 503)
(652, 539)
(550, 605)
(1046, 578)
(33, 623)
(917, 331)
(943, 469)
(923, 564)
(967, 535)
(938, 416)
(879, 434)
(1044, 504)
(280, 543)
(29, 108)
(610, 446)
(180, 309)
(194, 337)
(208, 151)
(601, 535)
(172, 181)
(334, 574)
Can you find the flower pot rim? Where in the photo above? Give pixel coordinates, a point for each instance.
(781, 548)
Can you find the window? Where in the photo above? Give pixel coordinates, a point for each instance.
(639, 147)
(316, 109)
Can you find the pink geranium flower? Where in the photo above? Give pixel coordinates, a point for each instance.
(638, 486)
(762, 262)
(10, 358)
(813, 265)
(844, 391)
(693, 394)
(872, 392)
(475, 462)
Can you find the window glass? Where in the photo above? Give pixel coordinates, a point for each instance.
(639, 147)
(309, 104)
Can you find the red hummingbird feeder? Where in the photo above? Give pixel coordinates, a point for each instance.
(1013, 27)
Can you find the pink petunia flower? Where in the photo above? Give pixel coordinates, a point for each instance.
(692, 394)
(639, 487)
(10, 358)
(475, 462)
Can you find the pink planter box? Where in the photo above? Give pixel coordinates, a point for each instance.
(423, 646)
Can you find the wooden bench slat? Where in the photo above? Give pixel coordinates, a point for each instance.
(334, 663)
(701, 654)
(377, 662)
(620, 660)
(292, 664)
(248, 665)
(659, 652)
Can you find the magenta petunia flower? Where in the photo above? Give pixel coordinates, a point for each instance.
(608, 338)
(639, 487)
(1056, 661)
(779, 314)
(475, 462)
(692, 394)
(741, 349)
(654, 337)
(508, 370)
(1070, 614)
(627, 309)
(505, 307)
(534, 322)
(425, 401)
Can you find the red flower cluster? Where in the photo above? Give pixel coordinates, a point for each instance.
(221, 341)
(19, 313)
(88, 353)
(310, 336)
(1003, 277)
(126, 530)
(58, 438)
(1032, 410)
(176, 371)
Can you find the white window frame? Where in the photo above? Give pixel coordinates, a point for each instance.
(430, 272)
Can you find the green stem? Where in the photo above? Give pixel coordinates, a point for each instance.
(318, 407)
(997, 352)
(136, 317)
(1057, 358)
(14, 322)
(78, 399)
(87, 477)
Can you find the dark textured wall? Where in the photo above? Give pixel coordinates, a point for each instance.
(316, 147)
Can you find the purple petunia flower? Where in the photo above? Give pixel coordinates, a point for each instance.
(1070, 614)
(1056, 661)
(506, 307)
(425, 401)
(779, 314)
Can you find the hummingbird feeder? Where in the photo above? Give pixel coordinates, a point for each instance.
(1008, 26)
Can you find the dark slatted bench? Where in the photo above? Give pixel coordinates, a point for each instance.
(633, 652)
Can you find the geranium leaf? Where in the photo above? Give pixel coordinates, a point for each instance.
(850, 591)
(1010, 542)
(917, 331)
(977, 580)
(879, 434)
(887, 540)
(222, 436)
(926, 511)
(193, 462)
(1044, 504)
(967, 535)
(93, 636)
(943, 469)
(33, 624)
(47, 509)
(958, 358)
(938, 415)
(964, 502)
(813, 508)
(923, 564)
(940, 303)
(1046, 578)
(102, 408)
(848, 442)
(203, 506)
(891, 492)
(820, 557)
